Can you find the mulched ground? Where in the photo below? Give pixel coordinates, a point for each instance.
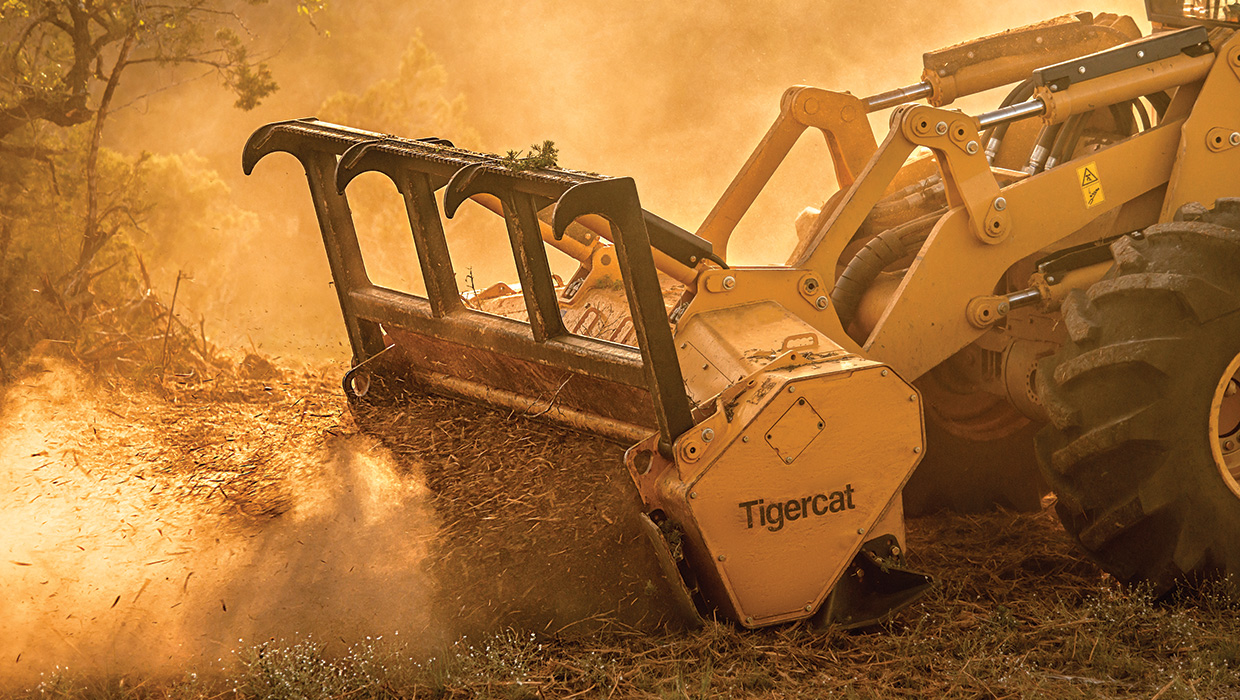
(524, 574)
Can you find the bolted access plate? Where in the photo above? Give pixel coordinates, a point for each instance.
(795, 430)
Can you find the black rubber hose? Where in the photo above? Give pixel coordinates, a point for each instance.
(880, 252)
(1065, 142)
(926, 194)
(993, 137)
(1124, 121)
(1042, 148)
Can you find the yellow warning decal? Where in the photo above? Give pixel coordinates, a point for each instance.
(1091, 184)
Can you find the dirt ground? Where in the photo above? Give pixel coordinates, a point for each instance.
(244, 536)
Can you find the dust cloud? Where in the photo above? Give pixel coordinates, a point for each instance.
(118, 559)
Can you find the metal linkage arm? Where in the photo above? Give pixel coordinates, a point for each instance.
(841, 119)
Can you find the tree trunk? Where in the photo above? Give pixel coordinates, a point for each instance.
(93, 235)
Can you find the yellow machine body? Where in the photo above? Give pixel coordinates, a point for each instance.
(775, 432)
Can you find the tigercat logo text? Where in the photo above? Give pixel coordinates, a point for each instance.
(774, 515)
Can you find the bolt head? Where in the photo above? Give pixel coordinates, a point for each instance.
(1234, 139)
(883, 373)
(792, 390)
(787, 460)
(860, 531)
(971, 147)
(693, 494)
(1140, 54)
(917, 450)
(822, 302)
(1004, 308)
(749, 620)
(1081, 70)
(1000, 204)
(940, 128)
(729, 282)
(708, 435)
(809, 607)
(723, 557)
(912, 397)
(745, 438)
(1051, 279)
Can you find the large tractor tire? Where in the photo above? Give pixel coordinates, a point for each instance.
(1143, 449)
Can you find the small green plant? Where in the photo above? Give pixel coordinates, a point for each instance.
(541, 156)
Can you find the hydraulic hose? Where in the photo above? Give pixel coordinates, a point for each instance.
(899, 205)
(993, 137)
(1065, 142)
(882, 251)
(1042, 149)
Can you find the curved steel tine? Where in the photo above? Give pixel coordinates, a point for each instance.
(614, 199)
(354, 162)
(464, 184)
(262, 142)
(525, 236)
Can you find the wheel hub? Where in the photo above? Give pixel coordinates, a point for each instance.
(1225, 425)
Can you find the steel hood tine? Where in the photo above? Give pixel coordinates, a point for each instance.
(616, 200)
(520, 211)
(609, 199)
(264, 142)
(373, 155)
(464, 184)
(353, 162)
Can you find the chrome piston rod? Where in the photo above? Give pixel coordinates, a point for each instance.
(1015, 112)
(899, 96)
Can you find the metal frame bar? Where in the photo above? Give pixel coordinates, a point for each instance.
(417, 169)
(617, 201)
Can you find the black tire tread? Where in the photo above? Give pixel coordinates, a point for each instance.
(1128, 396)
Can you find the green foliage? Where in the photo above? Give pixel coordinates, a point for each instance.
(73, 217)
(41, 207)
(58, 54)
(541, 156)
(251, 82)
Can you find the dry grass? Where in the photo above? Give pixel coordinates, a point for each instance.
(540, 576)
